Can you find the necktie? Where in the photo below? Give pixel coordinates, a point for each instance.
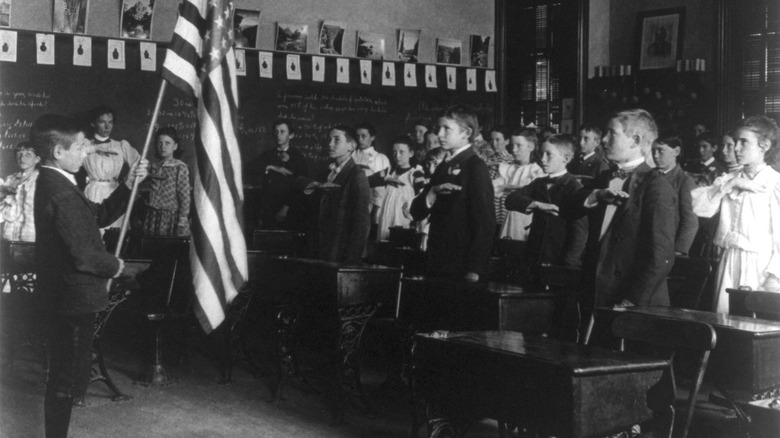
(623, 173)
(333, 172)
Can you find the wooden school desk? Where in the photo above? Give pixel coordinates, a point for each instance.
(563, 389)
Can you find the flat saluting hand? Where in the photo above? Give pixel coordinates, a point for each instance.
(611, 196)
(543, 207)
(744, 184)
(278, 169)
(446, 188)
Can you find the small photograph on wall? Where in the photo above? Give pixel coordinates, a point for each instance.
(332, 38)
(448, 51)
(246, 25)
(408, 44)
(137, 19)
(660, 41)
(292, 37)
(69, 16)
(5, 13)
(370, 45)
(480, 47)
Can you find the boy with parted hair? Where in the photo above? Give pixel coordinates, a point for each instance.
(73, 266)
(589, 160)
(552, 239)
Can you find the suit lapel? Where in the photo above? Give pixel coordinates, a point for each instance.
(632, 186)
(343, 176)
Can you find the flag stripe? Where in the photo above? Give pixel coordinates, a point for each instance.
(201, 62)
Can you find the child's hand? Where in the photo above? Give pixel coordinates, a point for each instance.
(544, 208)
(138, 171)
(611, 196)
(446, 188)
(278, 169)
(327, 186)
(395, 182)
(471, 277)
(405, 210)
(745, 184)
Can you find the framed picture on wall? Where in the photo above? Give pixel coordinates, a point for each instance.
(408, 44)
(370, 45)
(661, 38)
(5, 13)
(292, 37)
(137, 19)
(332, 38)
(480, 46)
(246, 24)
(69, 16)
(448, 51)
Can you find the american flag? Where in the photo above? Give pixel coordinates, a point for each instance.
(200, 61)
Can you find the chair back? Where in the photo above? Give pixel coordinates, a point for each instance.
(687, 282)
(671, 335)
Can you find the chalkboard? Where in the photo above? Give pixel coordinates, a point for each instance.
(28, 90)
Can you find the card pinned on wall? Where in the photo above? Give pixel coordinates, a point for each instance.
(294, 67)
(365, 71)
(240, 55)
(430, 76)
(7, 45)
(452, 78)
(116, 54)
(44, 44)
(318, 68)
(471, 79)
(266, 62)
(148, 56)
(388, 74)
(82, 51)
(342, 70)
(410, 75)
(490, 81)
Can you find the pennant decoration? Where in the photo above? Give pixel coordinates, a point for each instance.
(7, 45)
(342, 70)
(294, 67)
(365, 71)
(82, 51)
(388, 74)
(116, 54)
(451, 78)
(44, 44)
(430, 76)
(265, 60)
(490, 81)
(148, 56)
(318, 68)
(410, 75)
(240, 55)
(471, 79)
(200, 61)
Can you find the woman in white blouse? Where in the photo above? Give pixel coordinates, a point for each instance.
(748, 200)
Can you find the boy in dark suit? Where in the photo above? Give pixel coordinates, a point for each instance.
(459, 202)
(73, 266)
(552, 239)
(344, 218)
(666, 149)
(631, 219)
(589, 160)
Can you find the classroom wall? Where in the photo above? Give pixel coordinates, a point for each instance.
(612, 38)
(437, 18)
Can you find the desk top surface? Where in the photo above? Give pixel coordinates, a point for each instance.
(340, 267)
(756, 327)
(580, 360)
(502, 289)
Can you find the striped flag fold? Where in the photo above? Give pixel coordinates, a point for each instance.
(200, 61)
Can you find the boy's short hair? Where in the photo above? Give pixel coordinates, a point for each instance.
(638, 122)
(435, 154)
(403, 139)
(51, 130)
(421, 122)
(368, 127)
(278, 122)
(587, 127)
(564, 143)
(25, 146)
(669, 137)
(466, 117)
(503, 130)
(526, 133)
(764, 127)
(710, 138)
(348, 131)
(98, 111)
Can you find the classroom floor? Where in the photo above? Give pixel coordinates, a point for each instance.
(196, 405)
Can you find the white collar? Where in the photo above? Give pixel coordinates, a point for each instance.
(586, 156)
(283, 149)
(708, 162)
(368, 151)
(101, 138)
(457, 151)
(68, 175)
(632, 163)
(558, 174)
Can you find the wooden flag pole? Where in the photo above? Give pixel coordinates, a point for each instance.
(134, 192)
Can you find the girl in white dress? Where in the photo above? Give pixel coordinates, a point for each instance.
(748, 200)
(400, 182)
(515, 176)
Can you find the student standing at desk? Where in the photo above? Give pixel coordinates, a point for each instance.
(72, 263)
